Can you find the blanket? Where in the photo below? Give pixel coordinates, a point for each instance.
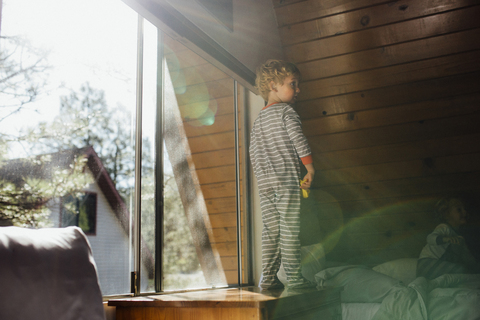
(448, 297)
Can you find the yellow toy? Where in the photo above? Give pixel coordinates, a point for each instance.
(305, 192)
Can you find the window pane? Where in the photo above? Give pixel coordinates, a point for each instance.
(200, 247)
(79, 211)
(149, 122)
(87, 211)
(69, 211)
(66, 123)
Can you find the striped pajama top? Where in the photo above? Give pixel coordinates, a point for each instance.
(276, 143)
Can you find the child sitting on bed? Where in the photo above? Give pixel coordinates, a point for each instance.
(446, 252)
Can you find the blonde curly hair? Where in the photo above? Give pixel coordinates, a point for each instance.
(276, 71)
(443, 207)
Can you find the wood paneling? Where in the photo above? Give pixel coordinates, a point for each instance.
(389, 96)
(444, 184)
(409, 30)
(213, 142)
(308, 10)
(223, 220)
(390, 104)
(204, 96)
(400, 170)
(391, 55)
(227, 248)
(218, 174)
(407, 132)
(205, 92)
(420, 111)
(218, 190)
(221, 123)
(366, 18)
(220, 205)
(214, 158)
(388, 206)
(392, 75)
(384, 154)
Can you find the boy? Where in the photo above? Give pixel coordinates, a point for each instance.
(446, 251)
(277, 141)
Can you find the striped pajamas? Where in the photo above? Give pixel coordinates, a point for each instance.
(277, 142)
(281, 227)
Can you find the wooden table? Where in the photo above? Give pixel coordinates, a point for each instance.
(233, 304)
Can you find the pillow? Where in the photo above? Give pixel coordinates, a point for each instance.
(312, 262)
(50, 273)
(360, 284)
(401, 269)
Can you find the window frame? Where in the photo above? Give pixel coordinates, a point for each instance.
(245, 268)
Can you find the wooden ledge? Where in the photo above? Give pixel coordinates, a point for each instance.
(268, 304)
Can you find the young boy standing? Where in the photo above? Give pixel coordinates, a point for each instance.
(277, 143)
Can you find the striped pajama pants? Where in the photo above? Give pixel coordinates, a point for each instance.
(280, 236)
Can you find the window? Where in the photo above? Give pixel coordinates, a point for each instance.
(80, 211)
(127, 134)
(68, 112)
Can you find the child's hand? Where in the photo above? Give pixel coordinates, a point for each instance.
(453, 240)
(305, 192)
(307, 181)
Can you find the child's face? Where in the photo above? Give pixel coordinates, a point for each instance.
(457, 215)
(286, 92)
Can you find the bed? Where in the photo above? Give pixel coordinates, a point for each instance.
(391, 290)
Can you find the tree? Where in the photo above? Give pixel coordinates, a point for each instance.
(179, 252)
(28, 185)
(84, 119)
(23, 74)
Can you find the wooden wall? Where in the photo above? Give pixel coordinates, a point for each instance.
(205, 98)
(390, 103)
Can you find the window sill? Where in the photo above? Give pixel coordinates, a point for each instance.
(232, 302)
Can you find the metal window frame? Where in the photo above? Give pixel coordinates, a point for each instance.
(137, 214)
(159, 174)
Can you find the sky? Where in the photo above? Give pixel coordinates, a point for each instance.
(88, 40)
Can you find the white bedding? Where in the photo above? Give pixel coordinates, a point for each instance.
(370, 295)
(359, 311)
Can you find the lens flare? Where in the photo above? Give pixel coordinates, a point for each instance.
(196, 105)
